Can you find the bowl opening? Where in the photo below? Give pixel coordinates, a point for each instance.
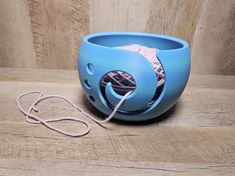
(125, 39)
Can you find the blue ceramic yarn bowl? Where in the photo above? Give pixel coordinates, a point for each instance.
(98, 56)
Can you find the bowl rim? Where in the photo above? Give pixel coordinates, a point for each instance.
(87, 38)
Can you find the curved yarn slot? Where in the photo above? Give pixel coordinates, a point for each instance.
(122, 82)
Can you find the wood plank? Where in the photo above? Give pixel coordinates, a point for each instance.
(15, 32)
(57, 28)
(106, 168)
(196, 137)
(39, 75)
(207, 101)
(71, 76)
(120, 143)
(214, 41)
(192, 109)
(121, 15)
(42, 33)
(47, 33)
(178, 18)
(206, 24)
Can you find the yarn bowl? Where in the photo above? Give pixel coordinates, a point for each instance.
(99, 55)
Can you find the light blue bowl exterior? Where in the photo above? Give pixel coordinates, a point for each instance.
(97, 49)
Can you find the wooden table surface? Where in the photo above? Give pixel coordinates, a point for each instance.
(196, 137)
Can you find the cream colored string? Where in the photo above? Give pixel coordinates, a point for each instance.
(31, 118)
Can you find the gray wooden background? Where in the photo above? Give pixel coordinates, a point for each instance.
(47, 33)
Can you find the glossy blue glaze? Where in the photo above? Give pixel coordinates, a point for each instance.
(97, 56)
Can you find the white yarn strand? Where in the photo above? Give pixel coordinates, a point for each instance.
(31, 118)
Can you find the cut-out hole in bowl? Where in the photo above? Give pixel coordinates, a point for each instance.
(90, 69)
(92, 98)
(121, 81)
(87, 84)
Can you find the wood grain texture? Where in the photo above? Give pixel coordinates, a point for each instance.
(120, 143)
(47, 33)
(15, 35)
(42, 33)
(57, 28)
(196, 137)
(92, 168)
(207, 25)
(177, 18)
(214, 41)
(118, 15)
(192, 109)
